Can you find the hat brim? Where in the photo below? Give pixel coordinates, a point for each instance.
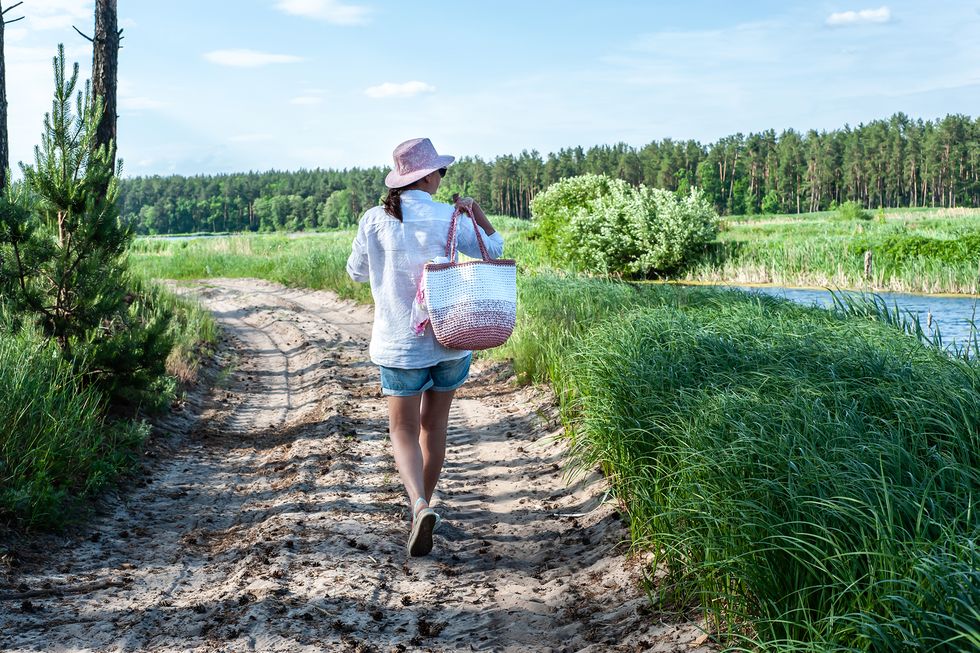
(395, 180)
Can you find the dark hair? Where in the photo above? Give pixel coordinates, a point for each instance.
(393, 200)
(393, 203)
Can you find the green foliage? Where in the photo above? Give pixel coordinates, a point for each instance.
(56, 448)
(337, 210)
(606, 226)
(62, 242)
(447, 189)
(770, 203)
(851, 210)
(905, 247)
(554, 208)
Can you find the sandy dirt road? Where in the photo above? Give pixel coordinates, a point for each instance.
(271, 518)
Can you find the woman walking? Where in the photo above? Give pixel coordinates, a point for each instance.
(418, 375)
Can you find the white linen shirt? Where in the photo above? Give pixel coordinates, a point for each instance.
(391, 255)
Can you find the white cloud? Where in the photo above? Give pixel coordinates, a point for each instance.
(56, 14)
(331, 11)
(306, 100)
(248, 58)
(844, 18)
(407, 89)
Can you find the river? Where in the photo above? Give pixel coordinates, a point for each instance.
(953, 317)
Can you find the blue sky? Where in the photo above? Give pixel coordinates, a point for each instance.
(212, 86)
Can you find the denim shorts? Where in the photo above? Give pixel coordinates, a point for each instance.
(442, 377)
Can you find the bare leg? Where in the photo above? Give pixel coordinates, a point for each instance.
(434, 422)
(404, 427)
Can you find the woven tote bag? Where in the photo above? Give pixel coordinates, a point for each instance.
(472, 305)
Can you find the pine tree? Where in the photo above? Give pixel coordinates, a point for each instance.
(62, 255)
(70, 273)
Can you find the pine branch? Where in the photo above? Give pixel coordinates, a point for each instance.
(83, 35)
(4, 13)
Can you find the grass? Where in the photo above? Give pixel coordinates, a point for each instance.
(59, 447)
(807, 477)
(56, 447)
(821, 250)
(317, 261)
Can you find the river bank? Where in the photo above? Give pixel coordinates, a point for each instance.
(934, 251)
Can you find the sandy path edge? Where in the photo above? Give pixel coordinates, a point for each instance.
(271, 517)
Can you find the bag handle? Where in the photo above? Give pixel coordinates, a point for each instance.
(451, 244)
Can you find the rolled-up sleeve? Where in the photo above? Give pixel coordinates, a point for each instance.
(357, 263)
(466, 241)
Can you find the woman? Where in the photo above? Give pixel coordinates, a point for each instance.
(419, 376)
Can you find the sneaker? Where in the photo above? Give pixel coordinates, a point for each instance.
(420, 541)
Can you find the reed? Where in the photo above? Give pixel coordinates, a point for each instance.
(914, 251)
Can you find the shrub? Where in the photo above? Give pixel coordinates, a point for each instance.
(681, 228)
(852, 210)
(553, 208)
(770, 203)
(606, 226)
(602, 237)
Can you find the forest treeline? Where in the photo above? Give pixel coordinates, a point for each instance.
(891, 163)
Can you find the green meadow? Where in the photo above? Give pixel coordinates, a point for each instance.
(919, 250)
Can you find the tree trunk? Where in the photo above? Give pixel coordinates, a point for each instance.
(4, 146)
(105, 55)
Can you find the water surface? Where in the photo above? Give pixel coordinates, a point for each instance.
(952, 317)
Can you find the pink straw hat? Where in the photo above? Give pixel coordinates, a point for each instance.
(415, 159)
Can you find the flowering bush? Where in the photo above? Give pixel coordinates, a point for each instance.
(607, 226)
(554, 207)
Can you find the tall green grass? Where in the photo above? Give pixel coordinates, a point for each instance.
(56, 446)
(59, 446)
(809, 478)
(914, 251)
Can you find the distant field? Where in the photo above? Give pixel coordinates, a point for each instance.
(316, 262)
(914, 250)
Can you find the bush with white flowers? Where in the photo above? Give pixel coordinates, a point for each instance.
(606, 226)
(554, 207)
